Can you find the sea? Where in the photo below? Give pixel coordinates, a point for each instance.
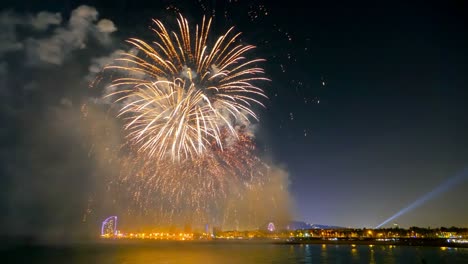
(228, 252)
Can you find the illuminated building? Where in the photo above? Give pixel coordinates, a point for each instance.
(109, 227)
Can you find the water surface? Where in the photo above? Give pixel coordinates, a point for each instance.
(229, 252)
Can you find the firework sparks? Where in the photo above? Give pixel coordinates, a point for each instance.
(187, 101)
(186, 92)
(193, 189)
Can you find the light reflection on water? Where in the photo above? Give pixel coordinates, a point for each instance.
(231, 252)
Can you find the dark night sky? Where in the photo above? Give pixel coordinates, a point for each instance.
(367, 101)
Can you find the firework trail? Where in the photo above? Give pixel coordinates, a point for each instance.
(182, 93)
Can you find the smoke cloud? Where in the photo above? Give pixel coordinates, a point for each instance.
(73, 36)
(62, 143)
(106, 26)
(44, 19)
(49, 184)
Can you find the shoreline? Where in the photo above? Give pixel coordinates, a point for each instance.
(418, 242)
(421, 242)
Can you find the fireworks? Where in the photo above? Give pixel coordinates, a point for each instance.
(187, 101)
(193, 190)
(182, 93)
